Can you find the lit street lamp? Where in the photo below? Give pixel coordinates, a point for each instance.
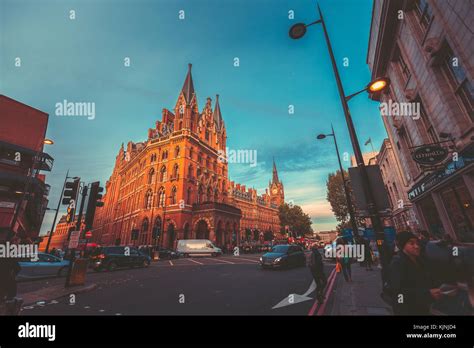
(297, 31)
(344, 182)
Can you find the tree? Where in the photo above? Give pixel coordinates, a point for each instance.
(268, 235)
(337, 198)
(294, 217)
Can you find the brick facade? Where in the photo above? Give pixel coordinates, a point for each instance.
(177, 182)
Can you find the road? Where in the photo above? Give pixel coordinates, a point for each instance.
(226, 285)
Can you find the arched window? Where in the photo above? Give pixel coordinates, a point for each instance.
(216, 195)
(173, 195)
(144, 232)
(191, 153)
(175, 171)
(157, 227)
(176, 151)
(163, 174)
(151, 176)
(209, 194)
(200, 158)
(198, 172)
(161, 197)
(148, 199)
(145, 225)
(189, 196)
(190, 171)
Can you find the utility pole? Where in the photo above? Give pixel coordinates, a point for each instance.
(78, 228)
(56, 215)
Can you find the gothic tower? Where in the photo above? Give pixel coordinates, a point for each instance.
(277, 193)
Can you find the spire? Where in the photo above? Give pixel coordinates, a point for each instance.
(188, 86)
(275, 173)
(217, 114)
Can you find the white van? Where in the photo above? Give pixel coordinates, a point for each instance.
(195, 247)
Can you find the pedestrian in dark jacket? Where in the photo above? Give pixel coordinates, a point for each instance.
(316, 267)
(410, 286)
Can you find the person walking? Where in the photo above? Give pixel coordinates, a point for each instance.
(368, 255)
(316, 267)
(344, 260)
(410, 286)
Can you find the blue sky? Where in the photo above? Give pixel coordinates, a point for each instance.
(82, 60)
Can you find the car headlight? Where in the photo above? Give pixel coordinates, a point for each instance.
(278, 259)
(261, 259)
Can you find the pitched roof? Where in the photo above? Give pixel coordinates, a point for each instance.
(188, 86)
(217, 116)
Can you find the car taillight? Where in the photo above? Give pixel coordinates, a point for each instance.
(101, 256)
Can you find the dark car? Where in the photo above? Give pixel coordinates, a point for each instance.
(111, 258)
(283, 256)
(167, 254)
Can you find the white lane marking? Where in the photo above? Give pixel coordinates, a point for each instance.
(171, 263)
(241, 258)
(215, 259)
(199, 263)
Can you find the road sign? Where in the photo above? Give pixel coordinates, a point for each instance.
(74, 239)
(88, 234)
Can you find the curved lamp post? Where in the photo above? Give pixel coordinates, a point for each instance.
(344, 182)
(297, 31)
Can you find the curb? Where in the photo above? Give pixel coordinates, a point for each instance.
(66, 292)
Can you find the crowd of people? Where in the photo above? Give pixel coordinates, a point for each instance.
(420, 276)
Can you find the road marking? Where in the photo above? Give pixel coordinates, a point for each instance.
(171, 263)
(296, 298)
(328, 289)
(241, 258)
(232, 263)
(199, 263)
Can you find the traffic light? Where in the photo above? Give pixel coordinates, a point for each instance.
(69, 198)
(94, 201)
(70, 192)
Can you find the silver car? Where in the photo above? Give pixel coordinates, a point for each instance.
(45, 266)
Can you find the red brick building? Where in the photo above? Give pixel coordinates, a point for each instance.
(23, 191)
(176, 185)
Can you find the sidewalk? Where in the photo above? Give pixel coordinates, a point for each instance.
(361, 297)
(52, 293)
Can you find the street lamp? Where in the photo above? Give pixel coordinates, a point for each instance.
(344, 182)
(297, 31)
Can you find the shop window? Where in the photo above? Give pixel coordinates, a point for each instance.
(431, 215)
(460, 209)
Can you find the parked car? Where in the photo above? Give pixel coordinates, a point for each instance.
(197, 247)
(246, 249)
(167, 254)
(45, 266)
(283, 256)
(111, 258)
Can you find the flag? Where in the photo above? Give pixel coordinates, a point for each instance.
(369, 141)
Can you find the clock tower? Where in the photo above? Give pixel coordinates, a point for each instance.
(277, 193)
